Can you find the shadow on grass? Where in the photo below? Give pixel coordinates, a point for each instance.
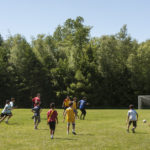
(13, 123)
(86, 134)
(58, 138)
(43, 129)
(141, 133)
(43, 118)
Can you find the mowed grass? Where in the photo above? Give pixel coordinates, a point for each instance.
(102, 130)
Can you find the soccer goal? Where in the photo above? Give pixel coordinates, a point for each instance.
(143, 101)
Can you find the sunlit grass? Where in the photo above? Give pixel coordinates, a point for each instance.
(102, 129)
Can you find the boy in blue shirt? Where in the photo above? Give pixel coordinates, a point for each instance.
(82, 104)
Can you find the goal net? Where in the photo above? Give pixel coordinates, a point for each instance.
(143, 101)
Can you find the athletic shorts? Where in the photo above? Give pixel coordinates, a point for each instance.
(83, 111)
(133, 122)
(52, 125)
(37, 119)
(6, 114)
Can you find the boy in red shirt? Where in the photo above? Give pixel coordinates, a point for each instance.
(52, 119)
(36, 100)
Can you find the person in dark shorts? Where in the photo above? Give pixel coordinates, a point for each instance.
(6, 112)
(52, 119)
(82, 104)
(36, 110)
(132, 118)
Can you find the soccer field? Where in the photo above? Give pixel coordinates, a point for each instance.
(102, 130)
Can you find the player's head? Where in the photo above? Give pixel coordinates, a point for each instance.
(131, 106)
(68, 97)
(74, 99)
(38, 95)
(7, 101)
(52, 105)
(12, 99)
(70, 104)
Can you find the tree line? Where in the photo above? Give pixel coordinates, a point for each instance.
(111, 70)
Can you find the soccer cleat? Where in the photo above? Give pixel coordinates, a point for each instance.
(73, 132)
(51, 136)
(133, 130)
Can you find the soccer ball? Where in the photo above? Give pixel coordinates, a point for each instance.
(144, 121)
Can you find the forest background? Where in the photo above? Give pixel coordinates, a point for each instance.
(111, 70)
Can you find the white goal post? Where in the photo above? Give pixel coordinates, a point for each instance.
(143, 101)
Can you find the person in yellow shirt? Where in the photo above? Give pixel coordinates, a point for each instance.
(75, 107)
(65, 104)
(70, 118)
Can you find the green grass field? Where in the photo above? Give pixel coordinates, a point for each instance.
(102, 130)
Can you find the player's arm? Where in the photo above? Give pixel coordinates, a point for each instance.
(57, 120)
(127, 118)
(33, 110)
(6, 108)
(47, 117)
(87, 103)
(64, 116)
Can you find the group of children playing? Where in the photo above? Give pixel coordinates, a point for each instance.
(70, 113)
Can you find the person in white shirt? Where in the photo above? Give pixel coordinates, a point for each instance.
(6, 112)
(12, 102)
(132, 118)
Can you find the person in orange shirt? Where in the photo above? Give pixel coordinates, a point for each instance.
(65, 104)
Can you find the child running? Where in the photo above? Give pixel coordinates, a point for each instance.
(52, 119)
(70, 118)
(132, 118)
(6, 112)
(36, 110)
(82, 104)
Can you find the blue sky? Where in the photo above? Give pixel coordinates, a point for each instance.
(32, 17)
